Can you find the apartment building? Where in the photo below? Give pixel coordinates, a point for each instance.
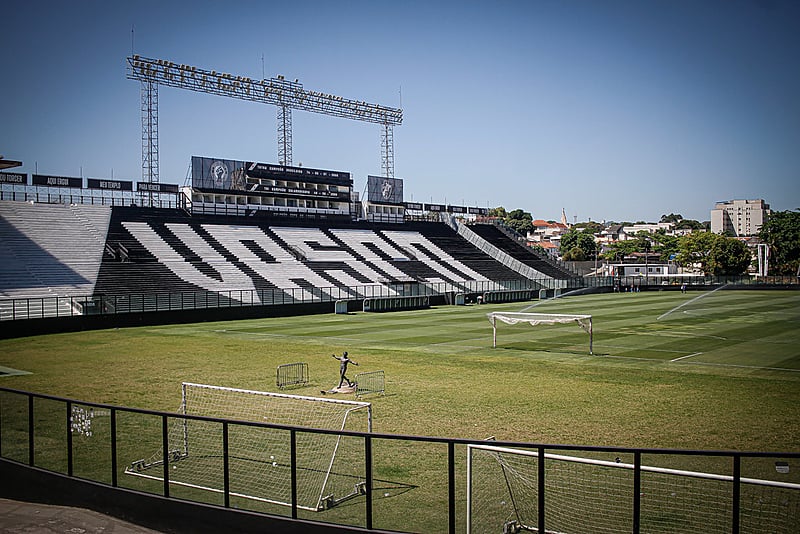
(739, 218)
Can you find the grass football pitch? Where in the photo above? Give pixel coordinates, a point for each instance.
(701, 370)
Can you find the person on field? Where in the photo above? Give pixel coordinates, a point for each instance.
(344, 360)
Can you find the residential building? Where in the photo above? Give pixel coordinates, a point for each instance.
(546, 231)
(739, 218)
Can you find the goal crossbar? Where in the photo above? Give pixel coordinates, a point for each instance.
(535, 319)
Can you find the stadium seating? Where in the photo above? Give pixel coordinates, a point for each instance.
(526, 255)
(50, 249)
(130, 252)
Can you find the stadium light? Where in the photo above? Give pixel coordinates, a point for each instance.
(277, 91)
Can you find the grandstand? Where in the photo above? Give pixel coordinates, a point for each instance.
(50, 249)
(99, 252)
(499, 238)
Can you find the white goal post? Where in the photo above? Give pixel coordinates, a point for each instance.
(259, 458)
(534, 319)
(595, 495)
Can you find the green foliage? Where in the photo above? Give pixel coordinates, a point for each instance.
(729, 257)
(617, 250)
(520, 221)
(716, 254)
(691, 224)
(577, 239)
(499, 211)
(672, 217)
(664, 244)
(643, 241)
(782, 233)
(590, 227)
(575, 254)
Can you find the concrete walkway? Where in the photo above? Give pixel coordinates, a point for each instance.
(17, 516)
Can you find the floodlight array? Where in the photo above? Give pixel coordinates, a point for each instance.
(276, 91)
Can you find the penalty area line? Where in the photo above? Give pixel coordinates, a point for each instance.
(687, 356)
(690, 301)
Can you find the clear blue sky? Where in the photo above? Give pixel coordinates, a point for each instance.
(610, 109)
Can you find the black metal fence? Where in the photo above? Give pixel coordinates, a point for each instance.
(410, 483)
(41, 307)
(93, 197)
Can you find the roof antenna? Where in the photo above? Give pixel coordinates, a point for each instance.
(132, 34)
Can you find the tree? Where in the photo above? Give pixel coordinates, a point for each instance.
(691, 224)
(592, 227)
(729, 256)
(499, 211)
(672, 217)
(716, 254)
(665, 245)
(577, 239)
(574, 254)
(617, 250)
(782, 233)
(520, 221)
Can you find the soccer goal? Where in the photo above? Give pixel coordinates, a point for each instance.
(259, 459)
(584, 495)
(535, 319)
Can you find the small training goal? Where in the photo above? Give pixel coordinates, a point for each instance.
(507, 488)
(535, 319)
(259, 459)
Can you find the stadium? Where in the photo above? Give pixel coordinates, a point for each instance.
(493, 389)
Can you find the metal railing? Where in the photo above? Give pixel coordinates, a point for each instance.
(66, 436)
(694, 280)
(42, 307)
(92, 197)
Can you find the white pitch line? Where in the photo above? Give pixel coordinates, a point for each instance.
(690, 301)
(687, 356)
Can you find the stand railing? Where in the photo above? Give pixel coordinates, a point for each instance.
(96, 442)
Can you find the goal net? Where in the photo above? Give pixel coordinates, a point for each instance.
(535, 319)
(259, 459)
(584, 495)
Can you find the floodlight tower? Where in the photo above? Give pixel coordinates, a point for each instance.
(284, 94)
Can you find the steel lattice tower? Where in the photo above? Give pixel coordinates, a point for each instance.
(149, 97)
(387, 151)
(284, 135)
(284, 94)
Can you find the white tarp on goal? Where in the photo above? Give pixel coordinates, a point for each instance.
(534, 319)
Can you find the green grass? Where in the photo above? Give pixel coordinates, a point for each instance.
(669, 370)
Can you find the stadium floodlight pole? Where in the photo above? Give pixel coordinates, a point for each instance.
(149, 100)
(287, 95)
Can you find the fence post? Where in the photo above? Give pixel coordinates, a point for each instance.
(451, 486)
(293, 468)
(637, 485)
(30, 430)
(540, 490)
(368, 476)
(114, 446)
(737, 488)
(69, 438)
(165, 452)
(226, 476)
